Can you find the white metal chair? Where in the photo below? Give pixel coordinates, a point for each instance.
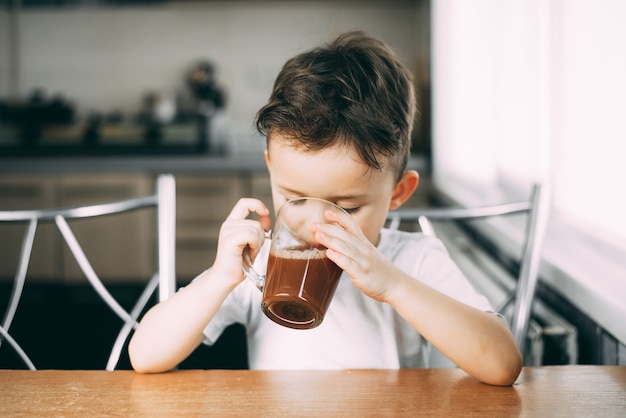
(537, 209)
(163, 200)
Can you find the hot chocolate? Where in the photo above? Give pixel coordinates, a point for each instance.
(299, 287)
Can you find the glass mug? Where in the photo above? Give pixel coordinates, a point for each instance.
(300, 280)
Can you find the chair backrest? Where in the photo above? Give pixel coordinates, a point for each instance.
(163, 201)
(537, 209)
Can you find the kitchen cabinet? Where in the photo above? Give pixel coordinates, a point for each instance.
(122, 248)
(23, 192)
(261, 189)
(203, 201)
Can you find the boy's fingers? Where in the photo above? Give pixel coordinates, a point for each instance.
(266, 222)
(344, 221)
(245, 207)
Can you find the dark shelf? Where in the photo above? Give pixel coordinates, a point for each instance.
(101, 150)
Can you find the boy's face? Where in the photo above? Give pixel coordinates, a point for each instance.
(336, 174)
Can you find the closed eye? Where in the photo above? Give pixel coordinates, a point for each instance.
(352, 210)
(297, 201)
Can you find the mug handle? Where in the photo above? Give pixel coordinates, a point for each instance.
(249, 271)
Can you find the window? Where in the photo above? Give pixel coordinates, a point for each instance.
(532, 90)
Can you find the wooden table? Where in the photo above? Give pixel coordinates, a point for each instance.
(568, 391)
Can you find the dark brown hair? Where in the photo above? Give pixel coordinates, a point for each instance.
(354, 90)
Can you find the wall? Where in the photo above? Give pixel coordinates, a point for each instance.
(106, 58)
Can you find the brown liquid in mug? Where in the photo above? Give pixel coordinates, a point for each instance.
(299, 287)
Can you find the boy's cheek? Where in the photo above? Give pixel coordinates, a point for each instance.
(278, 200)
(370, 225)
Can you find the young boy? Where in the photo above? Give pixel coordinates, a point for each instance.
(338, 127)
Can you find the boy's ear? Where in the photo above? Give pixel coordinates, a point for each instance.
(404, 189)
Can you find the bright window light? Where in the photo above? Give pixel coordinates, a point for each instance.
(531, 90)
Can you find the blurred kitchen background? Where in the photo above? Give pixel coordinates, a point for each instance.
(99, 96)
(118, 75)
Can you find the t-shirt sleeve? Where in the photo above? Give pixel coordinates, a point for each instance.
(224, 317)
(435, 268)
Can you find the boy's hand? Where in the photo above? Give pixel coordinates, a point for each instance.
(350, 249)
(236, 233)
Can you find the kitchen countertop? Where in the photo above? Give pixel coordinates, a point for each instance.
(237, 162)
(252, 162)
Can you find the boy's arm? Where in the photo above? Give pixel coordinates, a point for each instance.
(476, 341)
(172, 329)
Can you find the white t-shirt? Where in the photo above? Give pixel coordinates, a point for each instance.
(357, 332)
